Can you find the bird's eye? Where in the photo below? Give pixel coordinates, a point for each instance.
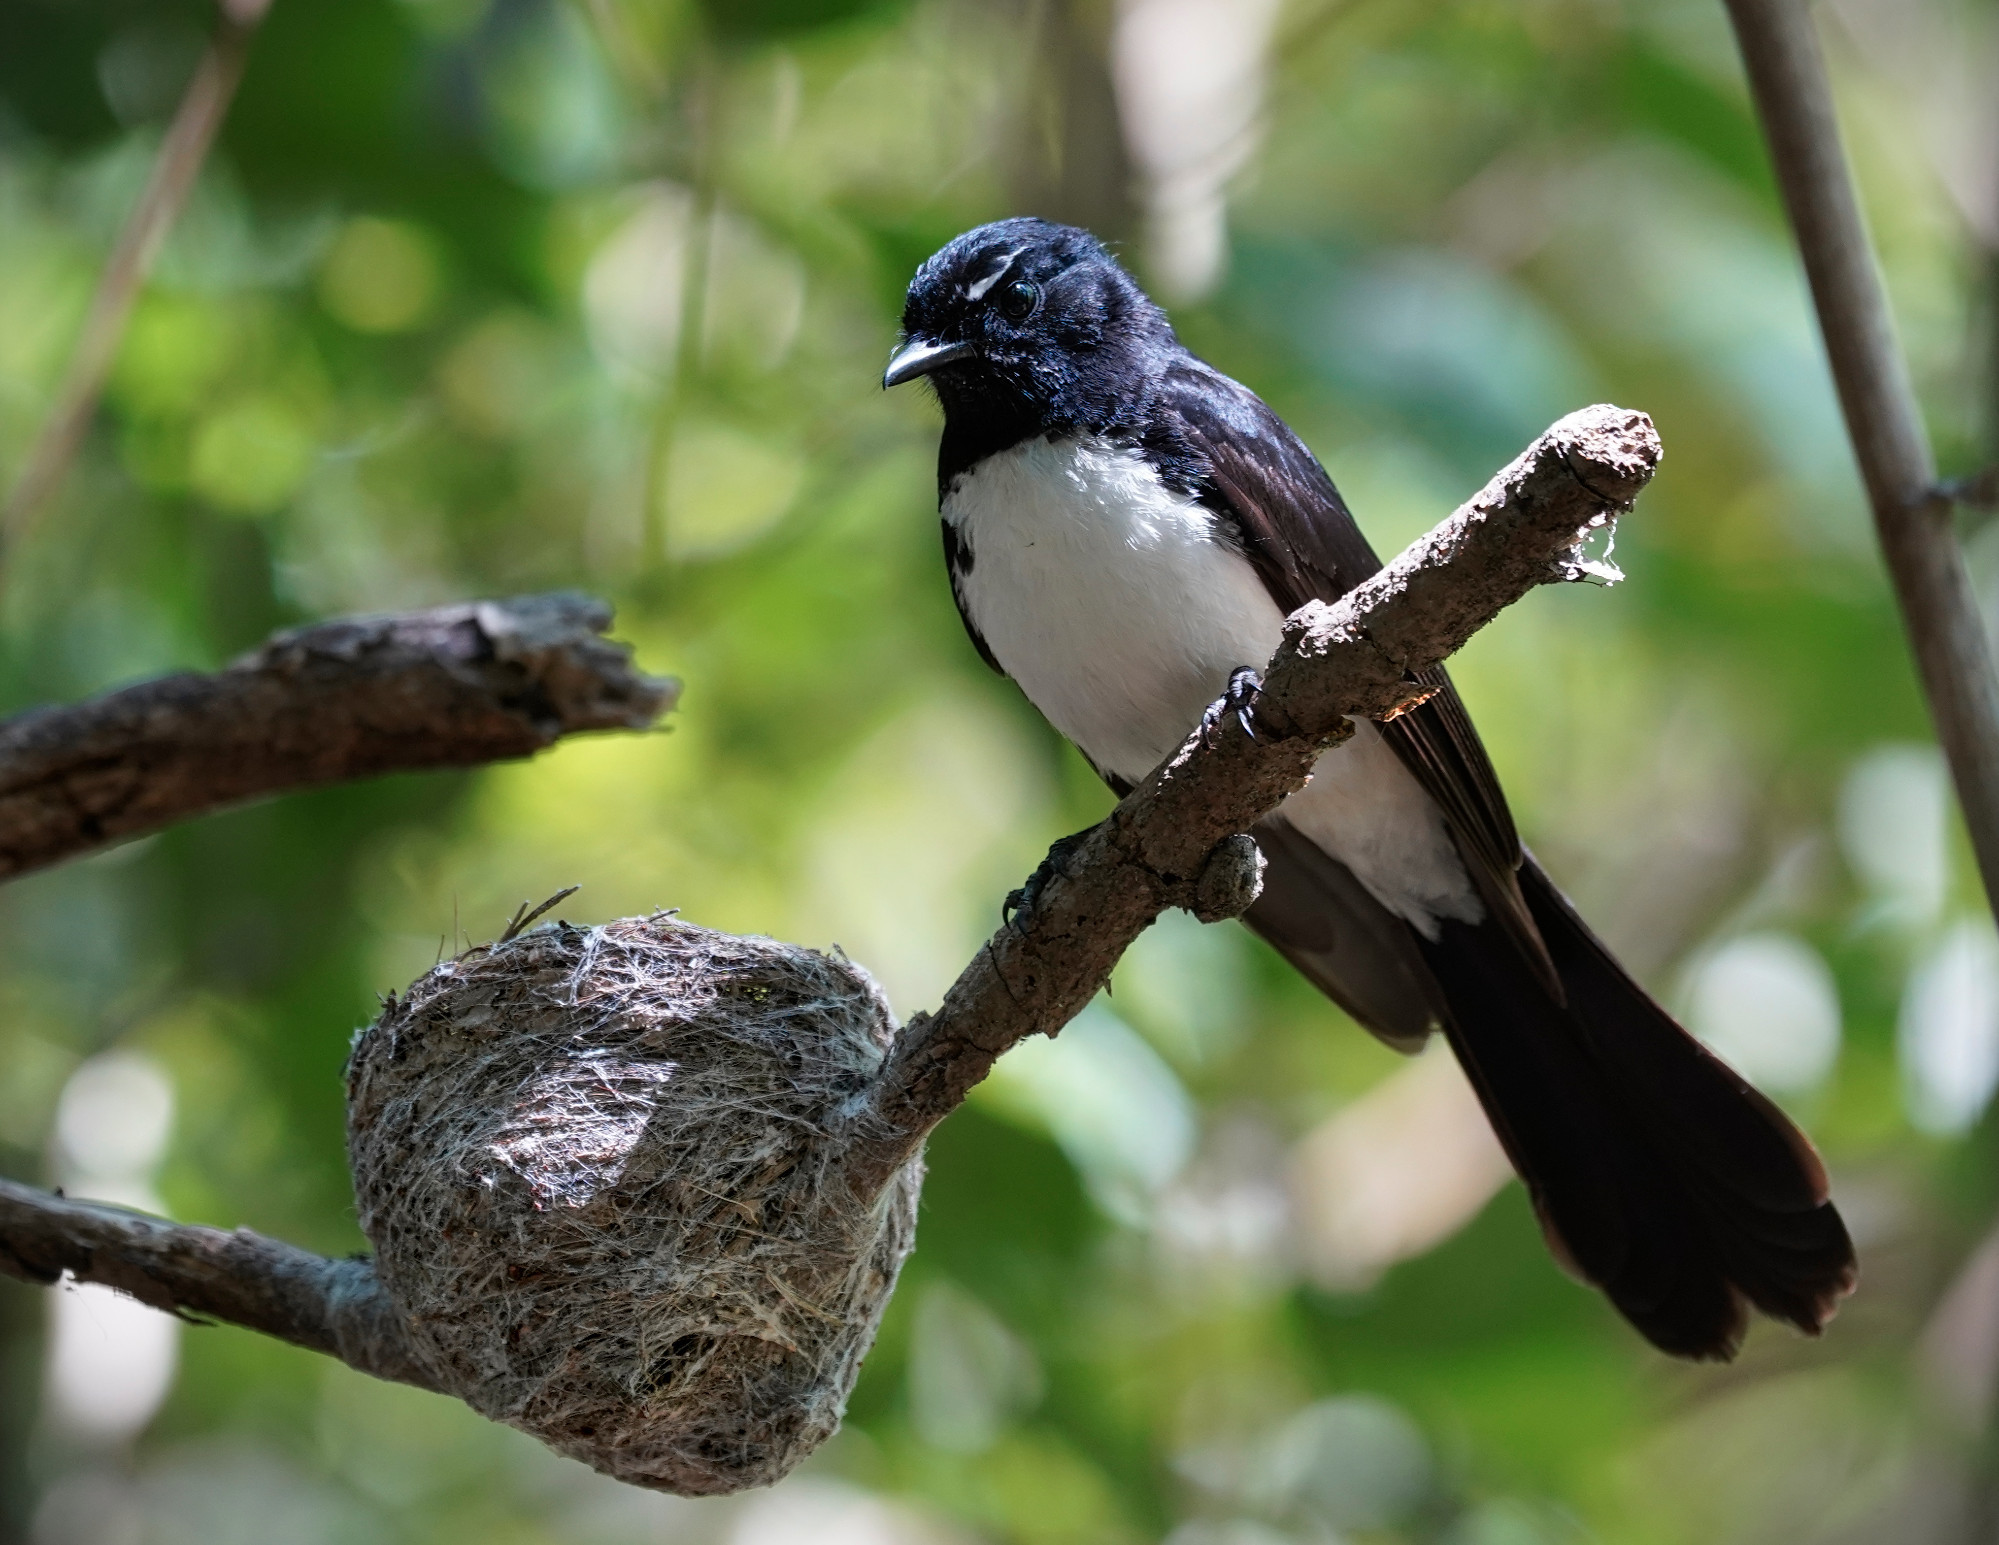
(1018, 299)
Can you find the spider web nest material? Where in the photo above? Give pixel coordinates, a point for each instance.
(600, 1169)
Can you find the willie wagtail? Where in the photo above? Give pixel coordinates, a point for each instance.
(1126, 528)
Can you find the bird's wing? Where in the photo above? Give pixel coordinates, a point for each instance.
(1297, 532)
(1353, 949)
(957, 558)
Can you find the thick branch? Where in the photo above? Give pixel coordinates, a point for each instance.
(1912, 515)
(1354, 659)
(453, 687)
(335, 1307)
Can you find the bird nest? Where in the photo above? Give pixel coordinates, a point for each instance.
(601, 1171)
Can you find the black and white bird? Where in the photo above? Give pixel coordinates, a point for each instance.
(1126, 529)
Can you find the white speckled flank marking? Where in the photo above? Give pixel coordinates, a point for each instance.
(1109, 599)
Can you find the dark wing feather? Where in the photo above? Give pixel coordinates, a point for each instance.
(1244, 462)
(1353, 949)
(1438, 742)
(958, 559)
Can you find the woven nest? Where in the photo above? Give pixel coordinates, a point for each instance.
(600, 1171)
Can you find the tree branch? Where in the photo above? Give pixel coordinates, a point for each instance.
(452, 687)
(335, 1307)
(1354, 659)
(1911, 513)
(1979, 491)
(1173, 842)
(202, 108)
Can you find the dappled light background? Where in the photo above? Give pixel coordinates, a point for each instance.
(479, 296)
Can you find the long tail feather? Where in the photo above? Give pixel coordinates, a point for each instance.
(1658, 1174)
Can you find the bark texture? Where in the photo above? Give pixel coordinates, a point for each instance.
(454, 687)
(335, 1307)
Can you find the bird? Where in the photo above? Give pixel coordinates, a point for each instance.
(1125, 529)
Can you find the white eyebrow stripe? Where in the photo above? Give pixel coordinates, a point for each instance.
(978, 291)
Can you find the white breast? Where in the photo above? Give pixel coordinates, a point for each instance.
(1105, 596)
(1109, 599)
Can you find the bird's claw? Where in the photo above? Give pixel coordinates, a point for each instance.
(1238, 698)
(1022, 898)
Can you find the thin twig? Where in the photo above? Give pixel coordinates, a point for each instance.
(1979, 491)
(525, 915)
(1912, 515)
(335, 1307)
(453, 687)
(175, 168)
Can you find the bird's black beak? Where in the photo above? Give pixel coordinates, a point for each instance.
(919, 357)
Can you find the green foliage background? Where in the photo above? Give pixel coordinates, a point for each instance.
(480, 296)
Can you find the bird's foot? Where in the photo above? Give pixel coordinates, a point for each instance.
(1238, 698)
(1024, 898)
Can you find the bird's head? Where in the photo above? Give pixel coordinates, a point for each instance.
(1025, 317)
